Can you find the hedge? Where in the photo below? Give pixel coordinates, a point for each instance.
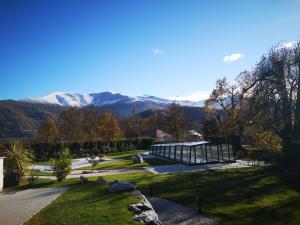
(45, 151)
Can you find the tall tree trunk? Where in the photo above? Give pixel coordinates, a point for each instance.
(297, 112)
(295, 145)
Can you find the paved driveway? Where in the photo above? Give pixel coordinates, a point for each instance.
(16, 207)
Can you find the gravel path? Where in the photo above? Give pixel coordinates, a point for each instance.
(171, 213)
(180, 168)
(78, 173)
(19, 206)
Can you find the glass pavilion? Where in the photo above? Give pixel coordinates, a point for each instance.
(191, 153)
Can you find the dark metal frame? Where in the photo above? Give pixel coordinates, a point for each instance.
(213, 153)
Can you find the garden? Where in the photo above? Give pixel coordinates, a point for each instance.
(239, 196)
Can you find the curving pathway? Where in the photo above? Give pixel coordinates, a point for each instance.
(17, 206)
(76, 163)
(78, 173)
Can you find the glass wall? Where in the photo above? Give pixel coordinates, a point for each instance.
(192, 153)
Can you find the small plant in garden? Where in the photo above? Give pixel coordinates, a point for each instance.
(32, 180)
(94, 157)
(62, 164)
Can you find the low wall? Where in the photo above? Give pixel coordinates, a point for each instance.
(1, 173)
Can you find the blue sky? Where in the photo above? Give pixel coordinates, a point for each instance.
(164, 48)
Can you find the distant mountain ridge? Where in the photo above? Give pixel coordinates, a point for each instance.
(20, 119)
(105, 98)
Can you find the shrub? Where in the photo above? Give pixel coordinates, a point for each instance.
(94, 157)
(62, 164)
(32, 180)
(266, 140)
(17, 162)
(268, 144)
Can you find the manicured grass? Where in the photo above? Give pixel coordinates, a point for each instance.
(87, 204)
(42, 173)
(231, 197)
(128, 164)
(124, 155)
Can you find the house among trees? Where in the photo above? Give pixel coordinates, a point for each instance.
(192, 135)
(162, 136)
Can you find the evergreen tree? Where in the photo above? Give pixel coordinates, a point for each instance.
(62, 164)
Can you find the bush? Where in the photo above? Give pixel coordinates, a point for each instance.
(268, 146)
(17, 162)
(32, 180)
(62, 164)
(266, 140)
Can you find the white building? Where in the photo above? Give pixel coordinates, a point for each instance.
(1, 173)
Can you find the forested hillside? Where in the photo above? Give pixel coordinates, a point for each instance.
(21, 119)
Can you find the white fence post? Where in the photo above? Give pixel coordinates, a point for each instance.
(1, 173)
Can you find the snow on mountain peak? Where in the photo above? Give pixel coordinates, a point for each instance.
(104, 98)
(65, 99)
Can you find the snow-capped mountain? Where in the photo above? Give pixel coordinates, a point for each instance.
(106, 98)
(64, 99)
(20, 119)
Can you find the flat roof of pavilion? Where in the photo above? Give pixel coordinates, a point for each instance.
(195, 143)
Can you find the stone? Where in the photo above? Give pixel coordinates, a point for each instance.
(136, 192)
(83, 179)
(120, 187)
(144, 212)
(101, 180)
(134, 208)
(113, 182)
(148, 217)
(137, 159)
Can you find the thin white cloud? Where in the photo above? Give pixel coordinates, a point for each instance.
(197, 96)
(157, 51)
(233, 57)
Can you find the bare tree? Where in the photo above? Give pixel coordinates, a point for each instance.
(175, 121)
(94, 157)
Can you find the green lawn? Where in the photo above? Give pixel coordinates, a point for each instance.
(231, 197)
(127, 164)
(42, 173)
(124, 155)
(87, 204)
